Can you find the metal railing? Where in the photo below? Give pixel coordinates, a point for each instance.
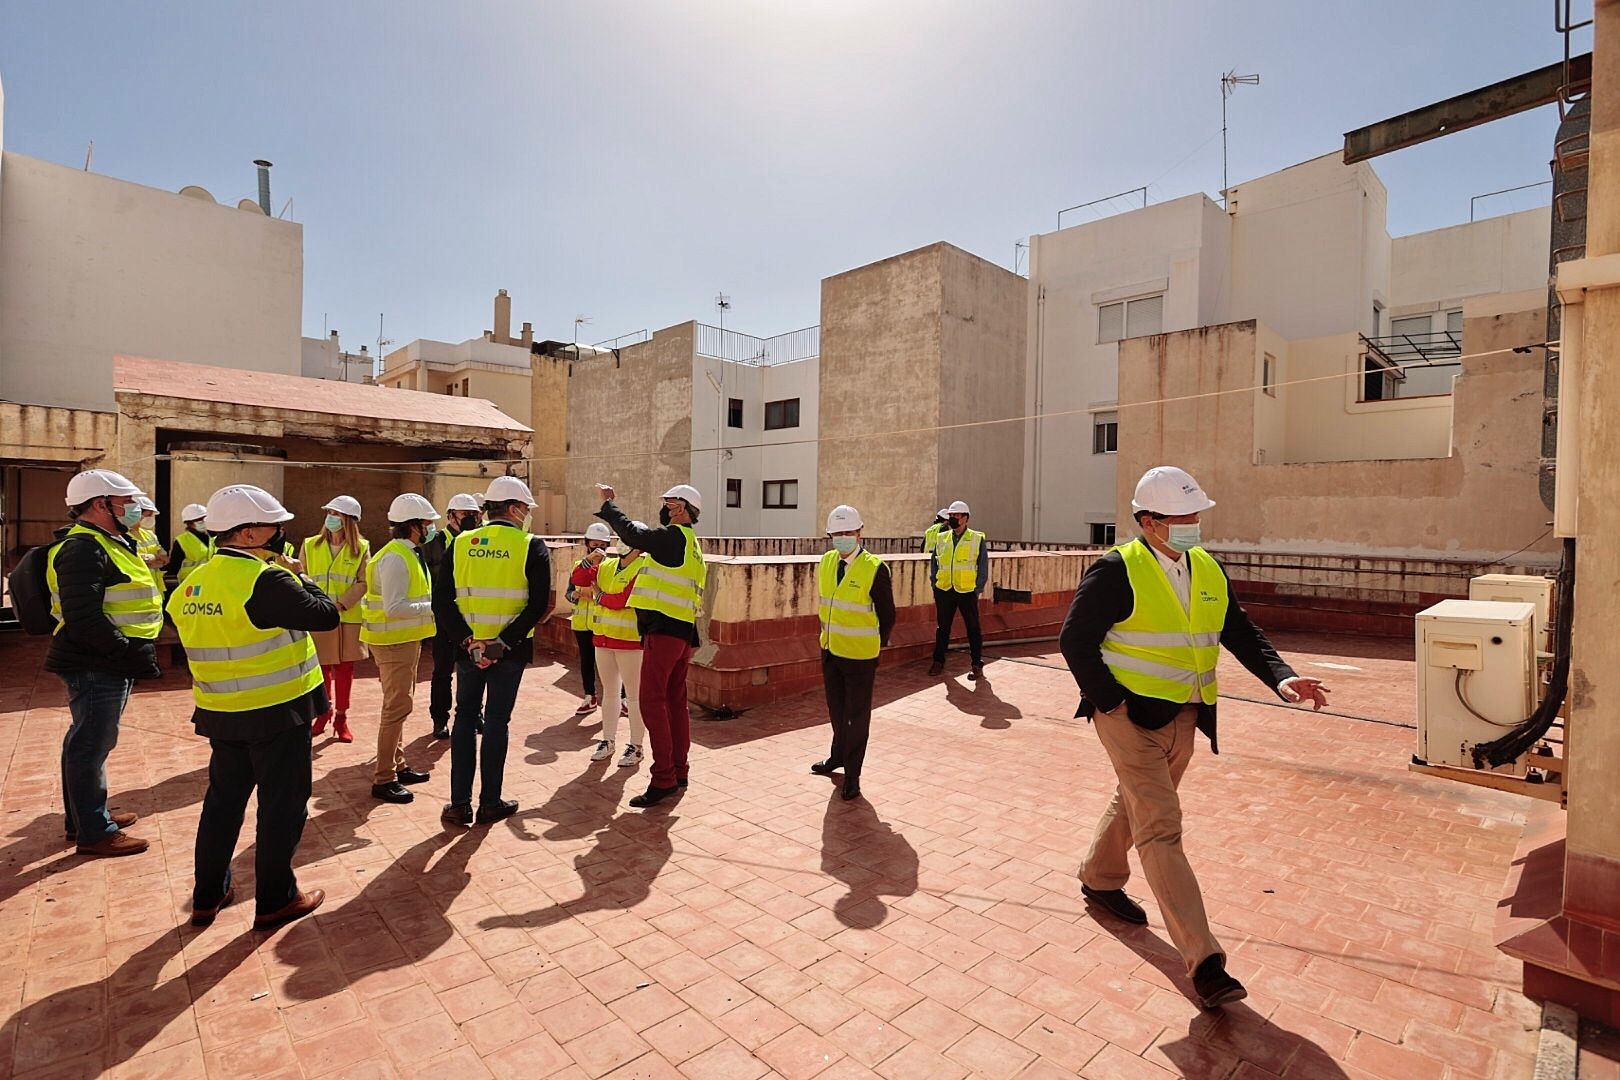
(720, 344)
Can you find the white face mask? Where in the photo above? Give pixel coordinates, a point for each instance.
(1184, 538)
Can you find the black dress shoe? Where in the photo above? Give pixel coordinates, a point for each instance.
(936, 668)
(1214, 986)
(976, 673)
(441, 731)
(852, 789)
(394, 792)
(409, 775)
(461, 816)
(825, 768)
(1116, 903)
(496, 811)
(681, 782)
(653, 796)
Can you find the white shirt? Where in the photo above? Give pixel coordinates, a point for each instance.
(1180, 575)
(394, 582)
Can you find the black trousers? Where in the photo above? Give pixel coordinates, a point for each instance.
(849, 706)
(440, 698)
(279, 766)
(587, 660)
(946, 605)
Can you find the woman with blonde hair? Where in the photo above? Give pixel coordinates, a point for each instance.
(335, 558)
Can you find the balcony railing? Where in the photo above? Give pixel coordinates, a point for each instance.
(712, 341)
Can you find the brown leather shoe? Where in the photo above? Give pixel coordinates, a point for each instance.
(123, 819)
(119, 843)
(301, 905)
(201, 917)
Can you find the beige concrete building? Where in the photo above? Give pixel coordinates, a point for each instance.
(911, 344)
(494, 367)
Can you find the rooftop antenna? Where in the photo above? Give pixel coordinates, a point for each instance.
(722, 302)
(1229, 84)
(579, 321)
(88, 152)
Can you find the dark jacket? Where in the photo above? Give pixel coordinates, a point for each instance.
(882, 599)
(452, 623)
(278, 601)
(88, 640)
(667, 546)
(1105, 598)
(433, 552)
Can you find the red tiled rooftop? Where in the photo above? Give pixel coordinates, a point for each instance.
(269, 390)
(759, 926)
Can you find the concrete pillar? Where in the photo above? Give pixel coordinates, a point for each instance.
(1592, 866)
(503, 318)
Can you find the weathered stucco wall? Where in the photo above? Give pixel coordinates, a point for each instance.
(981, 377)
(1481, 502)
(880, 372)
(630, 425)
(549, 384)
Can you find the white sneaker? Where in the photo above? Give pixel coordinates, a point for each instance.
(631, 756)
(604, 750)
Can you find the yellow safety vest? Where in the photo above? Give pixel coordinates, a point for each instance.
(583, 606)
(492, 582)
(673, 591)
(931, 536)
(146, 543)
(196, 551)
(612, 578)
(1164, 650)
(236, 666)
(135, 606)
(849, 622)
(958, 560)
(379, 627)
(336, 573)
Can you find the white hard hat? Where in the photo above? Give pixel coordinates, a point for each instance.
(410, 507)
(1165, 489)
(243, 504)
(345, 504)
(687, 492)
(508, 489)
(464, 501)
(844, 519)
(147, 504)
(94, 483)
(944, 511)
(193, 512)
(958, 507)
(597, 530)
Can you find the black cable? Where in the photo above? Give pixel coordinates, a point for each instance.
(1516, 743)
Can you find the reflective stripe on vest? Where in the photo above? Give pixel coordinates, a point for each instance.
(492, 584)
(614, 578)
(958, 560)
(583, 606)
(146, 544)
(134, 606)
(1164, 650)
(377, 626)
(676, 592)
(849, 622)
(196, 549)
(335, 572)
(236, 666)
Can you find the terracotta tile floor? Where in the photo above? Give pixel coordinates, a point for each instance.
(759, 925)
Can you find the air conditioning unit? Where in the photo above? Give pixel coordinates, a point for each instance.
(1476, 677)
(1523, 589)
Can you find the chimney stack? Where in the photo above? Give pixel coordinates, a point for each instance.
(528, 334)
(264, 186)
(503, 318)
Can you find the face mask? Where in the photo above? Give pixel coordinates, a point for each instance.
(429, 531)
(956, 523)
(277, 541)
(844, 545)
(334, 524)
(663, 515)
(528, 522)
(131, 515)
(1184, 538)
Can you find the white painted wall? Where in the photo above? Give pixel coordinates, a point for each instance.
(750, 453)
(91, 266)
(1443, 267)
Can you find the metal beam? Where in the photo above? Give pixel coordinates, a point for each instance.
(1518, 94)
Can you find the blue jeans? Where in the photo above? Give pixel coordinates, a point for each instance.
(494, 690)
(96, 699)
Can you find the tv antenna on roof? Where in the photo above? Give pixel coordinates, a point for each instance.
(1229, 84)
(722, 303)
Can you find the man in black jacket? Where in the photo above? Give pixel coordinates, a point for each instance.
(109, 612)
(1142, 639)
(462, 514)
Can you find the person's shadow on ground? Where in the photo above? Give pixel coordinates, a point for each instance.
(869, 857)
(981, 701)
(617, 873)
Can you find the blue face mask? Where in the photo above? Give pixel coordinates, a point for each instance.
(1184, 538)
(131, 515)
(334, 524)
(429, 531)
(844, 545)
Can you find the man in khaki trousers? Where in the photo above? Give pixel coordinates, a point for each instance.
(397, 617)
(1142, 638)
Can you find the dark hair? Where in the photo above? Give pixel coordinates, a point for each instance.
(691, 511)
(401, 530)
(75, 511)
(229, 534)
(1140, 514)
(494, 510)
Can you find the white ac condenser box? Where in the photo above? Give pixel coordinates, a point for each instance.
(1520, 588)
(1476, 663)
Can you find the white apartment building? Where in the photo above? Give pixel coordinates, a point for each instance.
(1307, 252)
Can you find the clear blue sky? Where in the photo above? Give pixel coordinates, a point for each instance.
(627, 160)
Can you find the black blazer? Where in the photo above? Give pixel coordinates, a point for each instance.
(1105, 598)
